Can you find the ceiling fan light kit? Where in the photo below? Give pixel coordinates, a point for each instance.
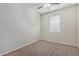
(47, 5)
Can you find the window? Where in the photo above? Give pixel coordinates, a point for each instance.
(54, 24)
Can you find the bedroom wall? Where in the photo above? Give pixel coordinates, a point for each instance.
(78, 25)
(68, 26)
(19, 25)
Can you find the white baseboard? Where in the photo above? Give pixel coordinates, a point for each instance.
(60, 43)
(19, 47)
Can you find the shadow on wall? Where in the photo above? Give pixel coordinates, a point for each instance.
(18, 25)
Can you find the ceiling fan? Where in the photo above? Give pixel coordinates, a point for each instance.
(47, 5)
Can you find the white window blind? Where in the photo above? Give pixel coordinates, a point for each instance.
(54, 24)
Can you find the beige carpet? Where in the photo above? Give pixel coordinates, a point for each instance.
(45, 48)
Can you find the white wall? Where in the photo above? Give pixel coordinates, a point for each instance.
(68, 34)
(78, 25)
(18, 25)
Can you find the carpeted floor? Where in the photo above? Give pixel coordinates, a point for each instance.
(45, 48)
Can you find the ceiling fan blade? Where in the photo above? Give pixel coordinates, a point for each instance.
(55, 3)
(39, 7)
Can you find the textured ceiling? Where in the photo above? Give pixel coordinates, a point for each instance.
(32, 5)
(44, 10)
